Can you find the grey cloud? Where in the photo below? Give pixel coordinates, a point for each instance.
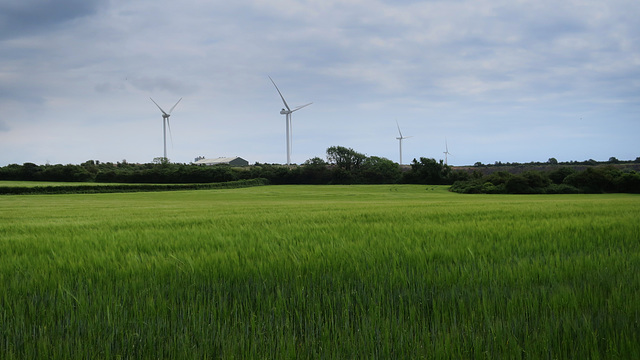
(162, 83)
(32, 16)
(451, 62)
(20, 93)
(108, 87)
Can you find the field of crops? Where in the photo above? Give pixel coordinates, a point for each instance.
(314, 272)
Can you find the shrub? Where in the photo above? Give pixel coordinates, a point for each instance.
(518, 185)
(562, 189)
(591, 181)
(558, 176)
(628, 183)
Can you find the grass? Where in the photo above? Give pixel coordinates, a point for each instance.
(319, 272)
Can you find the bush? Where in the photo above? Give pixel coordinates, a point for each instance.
(558, 176)
(562, 189)
(518, 185)
(628, 183)
(499, 177)
(377, 170)
(591, 181)
(536, 180)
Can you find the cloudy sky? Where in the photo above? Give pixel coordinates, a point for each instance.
(497, 80)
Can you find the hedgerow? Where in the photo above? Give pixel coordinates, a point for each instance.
(600, 179)
(113, 188)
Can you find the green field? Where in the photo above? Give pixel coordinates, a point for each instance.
(312, 272)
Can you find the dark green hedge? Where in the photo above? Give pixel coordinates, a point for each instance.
(92, 189)
(599, 179)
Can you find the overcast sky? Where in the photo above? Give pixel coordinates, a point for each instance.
(497, 80)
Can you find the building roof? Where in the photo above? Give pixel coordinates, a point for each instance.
(220, 160)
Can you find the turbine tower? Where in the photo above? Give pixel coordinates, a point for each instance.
(165, 123)
(446, 151)
(287, 112)
(400, 138)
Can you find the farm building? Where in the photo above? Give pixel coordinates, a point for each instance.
(233, 161)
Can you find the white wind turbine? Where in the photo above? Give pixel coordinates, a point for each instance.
(400, 138)
(287, 111)
(165, 123)
(446, 151)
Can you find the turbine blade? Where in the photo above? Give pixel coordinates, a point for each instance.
(282, 97)
(300, 107)
(170, 137)
(400, 132)
(174, 106)
(159, 107)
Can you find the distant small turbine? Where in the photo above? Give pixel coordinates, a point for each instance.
(446, 152)
(165, 123)
(400, 138)
(288, 113)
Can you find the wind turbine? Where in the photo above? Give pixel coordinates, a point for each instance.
(165, 123)
(446, 152)
(400, 138)
(287, 111)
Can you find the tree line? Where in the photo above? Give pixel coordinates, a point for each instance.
(562, 180)
(553, 161)
(343, 165)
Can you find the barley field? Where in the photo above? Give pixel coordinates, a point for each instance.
(319, 272)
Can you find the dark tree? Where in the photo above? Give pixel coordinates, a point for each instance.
(536, 179)
(345, 158)
(315, 171)
(593, 180)
(378, 170)
(428, 171)
(558, 175)
(628, 182)
(517, 184)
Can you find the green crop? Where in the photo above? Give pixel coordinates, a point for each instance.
(319, 272)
